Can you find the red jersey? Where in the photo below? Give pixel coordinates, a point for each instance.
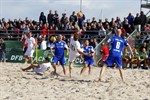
(105, 50)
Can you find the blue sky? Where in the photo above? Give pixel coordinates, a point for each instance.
(91, 8)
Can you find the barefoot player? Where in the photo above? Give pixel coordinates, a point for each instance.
(88, 60)
(75, 50)
(115, 55)
(30, 42)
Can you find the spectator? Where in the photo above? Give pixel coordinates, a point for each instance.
(126, 58)
(112, 22)
(144, 45)
(130, 19)
(64, 19)
(73, 18)
(144, 57)
(56, 17)
(137, 22)
(50, 18)
(125, 23)
(136, 59)
(102, 31)
(42, 18)
(94, 21)
(105, 23)
(2, 50)
(95, 41)
(23, 39)
(92, 43)
(43, 45)
(44, 30)
(124, 33)
(118, 22)
(143, 20)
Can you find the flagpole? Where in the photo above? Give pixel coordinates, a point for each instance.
(80, 5)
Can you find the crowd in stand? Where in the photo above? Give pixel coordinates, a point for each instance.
(53, 22)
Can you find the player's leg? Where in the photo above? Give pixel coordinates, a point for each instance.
(70, 68)
(90, 69)
(30, 67)
(71, 60)
(121, 74)
(102, 72)
(63, 62)
(31, 60)
(118, 61)
(109, 62)
(84, 67)
(26, 59)
(91, 63)
(54, 62)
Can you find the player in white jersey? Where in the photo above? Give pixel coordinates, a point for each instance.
(75, 50)
(30, 42)
(40, 67)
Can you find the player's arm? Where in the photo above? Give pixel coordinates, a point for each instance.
(51, 49)
(92, 52)
(67, 49)
(35, 44)
(130, 49)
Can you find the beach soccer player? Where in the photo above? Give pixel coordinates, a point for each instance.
(59, 47)
(88, 60)
(40, 67)
(30, 43)
(75, 50)
(105, 53)
(115, 55)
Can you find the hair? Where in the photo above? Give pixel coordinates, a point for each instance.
(86, 40)
(47, 59)
(75, 37)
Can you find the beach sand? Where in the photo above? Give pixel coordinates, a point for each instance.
(18, 85)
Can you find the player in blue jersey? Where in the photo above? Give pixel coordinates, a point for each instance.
(115, 56)
(59, 46)
(88, 60)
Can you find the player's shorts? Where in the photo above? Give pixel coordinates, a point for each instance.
(72, 57)
(61, 60)
(104, 58)
(111, 60)
(29, 53)
(43, 69)
(89, 62)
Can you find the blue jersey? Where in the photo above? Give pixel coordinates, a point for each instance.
(88, 49)
(117, 44)
(59, 48)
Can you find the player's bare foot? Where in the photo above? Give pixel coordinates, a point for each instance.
(22, 69)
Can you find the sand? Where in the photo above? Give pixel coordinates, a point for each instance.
(18, 85)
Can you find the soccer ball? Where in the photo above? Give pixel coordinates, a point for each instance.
(53, 39)
(80, 14)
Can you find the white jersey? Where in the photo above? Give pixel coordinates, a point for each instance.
(43, 67)
(30, 42)
(74, 45)
(43, 45)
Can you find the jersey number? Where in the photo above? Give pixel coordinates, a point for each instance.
(72, 47)
(118, 45)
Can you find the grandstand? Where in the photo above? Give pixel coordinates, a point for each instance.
(145, 4)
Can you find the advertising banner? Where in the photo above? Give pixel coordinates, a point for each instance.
(14, 53)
